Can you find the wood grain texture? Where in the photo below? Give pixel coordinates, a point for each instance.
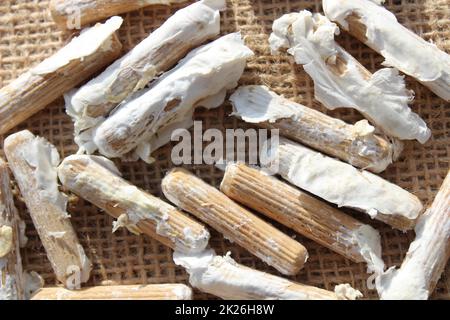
(120, 292)
(236, 223)
(134, 209)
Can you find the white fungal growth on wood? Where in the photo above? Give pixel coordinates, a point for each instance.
(186, 29)
(304, 214)
(200, 79)
(340, 81)
(12, 285)
(356, 144)
(225, 278)
(88, 42)
(97, 180)
(72, 14)
(346, 186)
(82, 57)
(378, 28)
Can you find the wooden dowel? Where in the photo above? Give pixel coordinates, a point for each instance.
(33, 161)
(85, 55)
(11, 272)
(73, 14)
(119, 292)
(237, 224)
(427, 255)
(97, 180)
(305, 214)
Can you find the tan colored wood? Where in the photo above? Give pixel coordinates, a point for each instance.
(374, 25)
(427, 255)
(140, 212)
(41, 85)
(356, 144)
(33, 162)
(161, 50)
(71, 14)
(146, 122)
(11, 273)
(340, 81)
(298, 210)
(120, 292)
(227, 279)
(236, 223)
(344, 185)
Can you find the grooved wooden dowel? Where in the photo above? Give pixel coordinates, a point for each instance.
(33, 161)
(356, 144)
(97, 180)
(427, 255)
(81, 58)
(346, 186)
(71, 14)
(11, 272)
(120, 292)
(236, 223)
(303, 213)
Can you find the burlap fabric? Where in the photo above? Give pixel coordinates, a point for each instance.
(27, 35)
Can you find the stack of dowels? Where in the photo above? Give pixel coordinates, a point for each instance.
(132, 108)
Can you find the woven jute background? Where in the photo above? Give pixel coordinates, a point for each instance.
(27, 36)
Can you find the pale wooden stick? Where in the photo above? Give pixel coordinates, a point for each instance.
(427, 255)
(378, 28)
(71, 14)
(11, 273)
(97, 180)
(186, 29)
(304, 214)
(340, 81)
(143, 124)
(237, 224)
(85, 55)
(223, 277)
(356, 144)
(33, 162)
(119, 292)
(346, 186)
